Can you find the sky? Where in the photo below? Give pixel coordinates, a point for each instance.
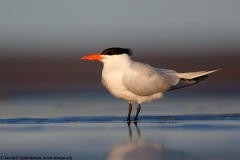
(91, 26)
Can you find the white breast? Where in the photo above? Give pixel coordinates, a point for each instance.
(112, 75)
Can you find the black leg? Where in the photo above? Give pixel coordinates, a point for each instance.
(129, 112)
(138, 110)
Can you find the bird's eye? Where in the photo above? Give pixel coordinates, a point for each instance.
(110, 53)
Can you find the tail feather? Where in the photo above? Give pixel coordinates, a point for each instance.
(191, 75)
(190, 78)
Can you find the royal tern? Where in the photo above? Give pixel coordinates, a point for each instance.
(139, 82)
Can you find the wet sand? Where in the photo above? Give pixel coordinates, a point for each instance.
(184, 140)
(91, 125)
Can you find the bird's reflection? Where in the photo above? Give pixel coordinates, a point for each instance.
(143, 150)
(135, 149)
(130, 131)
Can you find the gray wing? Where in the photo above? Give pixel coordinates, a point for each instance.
(144, 80)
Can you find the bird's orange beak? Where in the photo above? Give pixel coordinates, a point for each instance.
(97, 57)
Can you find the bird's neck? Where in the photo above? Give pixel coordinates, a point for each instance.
(117, 62)
(113, 71)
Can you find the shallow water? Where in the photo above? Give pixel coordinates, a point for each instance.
(184, 140)
(91, 125)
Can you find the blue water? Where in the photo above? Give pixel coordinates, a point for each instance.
(91, 125)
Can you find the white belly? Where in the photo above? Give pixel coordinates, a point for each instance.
(115, 87)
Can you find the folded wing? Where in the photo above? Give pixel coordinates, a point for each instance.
(144, 80)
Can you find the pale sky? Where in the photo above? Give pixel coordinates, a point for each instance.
(138, 24)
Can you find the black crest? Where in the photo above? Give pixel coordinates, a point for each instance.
(116, 51)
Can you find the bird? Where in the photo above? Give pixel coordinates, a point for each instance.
(138, 82)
